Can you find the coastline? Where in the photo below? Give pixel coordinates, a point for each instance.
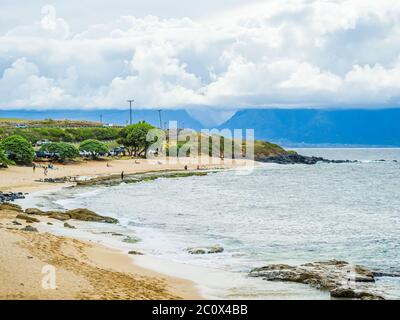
(92, 265)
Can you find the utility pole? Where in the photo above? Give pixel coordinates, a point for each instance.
(159, 116)
(130, 110)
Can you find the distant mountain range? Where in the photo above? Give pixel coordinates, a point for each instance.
(117, 117)
(290, 127)
(379, 127)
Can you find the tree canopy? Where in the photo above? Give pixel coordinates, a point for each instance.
(94, 147)
(64, 151)
(4, 161)
(134, 138)
(18, 149)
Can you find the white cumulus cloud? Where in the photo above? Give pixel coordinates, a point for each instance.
(272, 53)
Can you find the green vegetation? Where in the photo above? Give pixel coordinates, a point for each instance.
(94, 147)
(133, 137)
(64, 151)
(267, 149)
(18, 149)
(4, 161)
(62, 134)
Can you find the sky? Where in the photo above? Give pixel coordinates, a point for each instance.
(208, 55)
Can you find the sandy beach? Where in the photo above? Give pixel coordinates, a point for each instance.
(23, 179)
(84, 270)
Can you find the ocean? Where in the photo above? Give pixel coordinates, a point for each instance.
(276, 214)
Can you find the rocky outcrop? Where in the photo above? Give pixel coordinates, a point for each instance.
(10, 206)
(29, 229)
(87, 215)
(77, 214)
(294, 158)
(340, 278)
(206, 250)
(27, 218)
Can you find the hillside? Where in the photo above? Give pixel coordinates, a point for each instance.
(321, 127)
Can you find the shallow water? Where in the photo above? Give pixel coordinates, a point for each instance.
(277, 214)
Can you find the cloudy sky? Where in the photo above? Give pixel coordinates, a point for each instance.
(224, 54)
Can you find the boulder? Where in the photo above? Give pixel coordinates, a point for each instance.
(26, 218)
(340, 278)
(29, 228)
(10, 206)
(129, 239)
(35, 211)
(67, 225)
(136, 253)
(87, 215)
(206, 250)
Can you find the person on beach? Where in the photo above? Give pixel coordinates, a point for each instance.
(34, 167)
(122, 175)
(45, 171)
(108, 165)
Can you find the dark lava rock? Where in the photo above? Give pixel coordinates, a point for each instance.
(136, 253)
(294, 158)
(11, 196)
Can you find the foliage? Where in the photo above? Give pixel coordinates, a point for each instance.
(4, 161)
(64, 150)
(94, 147)
(56, 134)
(134, 138)
(18, 149)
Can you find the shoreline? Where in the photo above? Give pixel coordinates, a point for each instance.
(109, 262)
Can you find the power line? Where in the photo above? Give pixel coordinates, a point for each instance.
(130, 110)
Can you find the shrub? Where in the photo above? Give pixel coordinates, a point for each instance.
(18, 149)
(95, 147)
(4, 161)
(134, 138)
(63, 150)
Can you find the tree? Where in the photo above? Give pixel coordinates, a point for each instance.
(95, 147)
(63, 150)
(18, 149)
(134, 138)
(4, 161)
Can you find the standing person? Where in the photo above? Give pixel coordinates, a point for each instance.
(122, 175)
(45, 171)
(34, 167)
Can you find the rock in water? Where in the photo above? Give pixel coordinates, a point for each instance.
(135, 253)
(26, 218)
(206, 250)
(129, 239)
(339, 277)
(67, 225)
(87, 215)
